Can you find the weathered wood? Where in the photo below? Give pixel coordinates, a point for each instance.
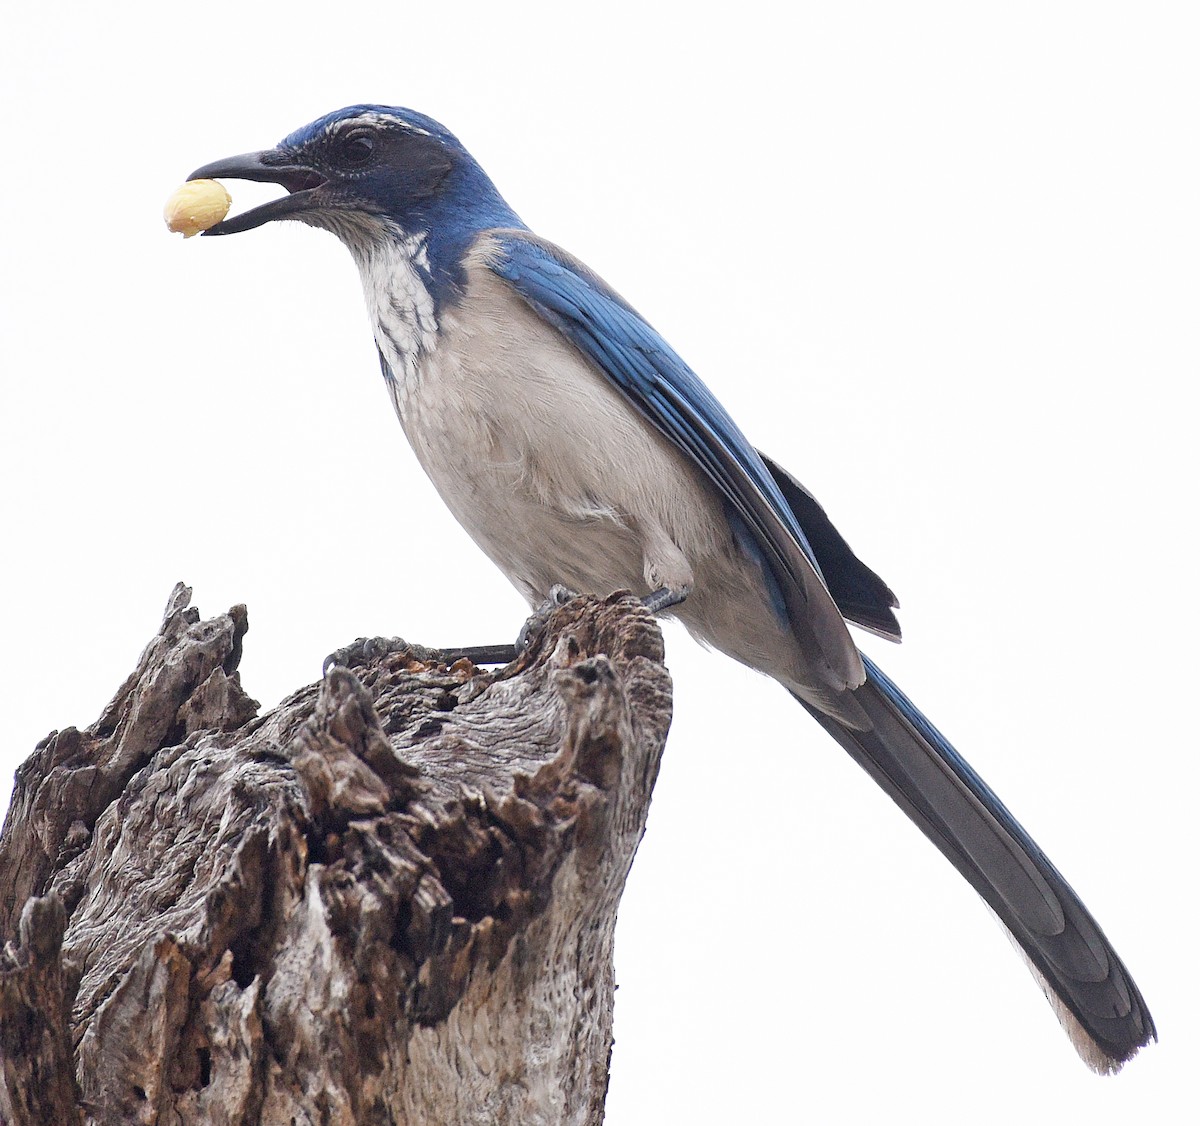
(390, 899)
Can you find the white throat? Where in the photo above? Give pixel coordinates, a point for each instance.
(394, 267)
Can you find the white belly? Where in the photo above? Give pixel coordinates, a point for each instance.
(551, 474)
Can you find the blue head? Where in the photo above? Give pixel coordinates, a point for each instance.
(371, 172)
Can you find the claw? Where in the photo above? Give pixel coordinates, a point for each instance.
(559, 596)
(362, 651)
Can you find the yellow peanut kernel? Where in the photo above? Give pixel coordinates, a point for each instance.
(196, 206)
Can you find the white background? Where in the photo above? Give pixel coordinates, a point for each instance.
(938, 259)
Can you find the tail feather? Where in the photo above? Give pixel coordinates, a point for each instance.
(1096, 1000)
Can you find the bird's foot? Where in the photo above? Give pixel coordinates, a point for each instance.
(364, 650)
(559, 596)
(663, 599)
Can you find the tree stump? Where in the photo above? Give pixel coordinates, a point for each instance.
(390, 899)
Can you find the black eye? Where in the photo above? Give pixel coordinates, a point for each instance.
(356, 147)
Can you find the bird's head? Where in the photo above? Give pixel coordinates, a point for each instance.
(369, 173)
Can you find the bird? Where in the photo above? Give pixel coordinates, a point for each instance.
(582, 454)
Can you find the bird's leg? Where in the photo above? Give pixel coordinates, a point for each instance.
(559, 596)
(656, 600)
(364, 650)
(667, 570)
(663, 599)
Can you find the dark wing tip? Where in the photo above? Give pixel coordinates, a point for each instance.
(859, 593)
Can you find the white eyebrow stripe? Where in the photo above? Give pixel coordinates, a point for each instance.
(373, 118)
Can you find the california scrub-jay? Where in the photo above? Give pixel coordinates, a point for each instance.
(578, 449)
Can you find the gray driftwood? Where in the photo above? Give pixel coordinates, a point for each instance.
(391, 899)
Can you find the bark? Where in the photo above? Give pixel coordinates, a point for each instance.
(390, 899)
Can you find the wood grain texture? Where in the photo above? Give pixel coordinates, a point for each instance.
(390, 899)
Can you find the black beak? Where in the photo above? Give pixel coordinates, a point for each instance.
(271, 167)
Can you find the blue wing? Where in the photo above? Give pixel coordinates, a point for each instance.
(669, 395)
(896, 745)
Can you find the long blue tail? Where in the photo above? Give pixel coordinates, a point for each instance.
(1086, 983)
